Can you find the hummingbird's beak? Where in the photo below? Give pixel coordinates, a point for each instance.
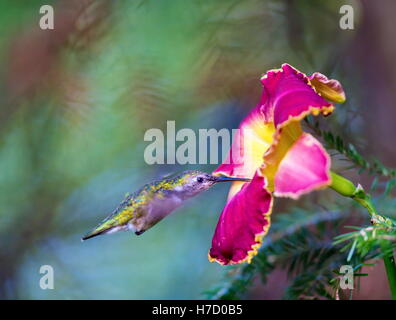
(224, 179)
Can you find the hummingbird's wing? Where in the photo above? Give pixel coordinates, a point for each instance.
(168, 175)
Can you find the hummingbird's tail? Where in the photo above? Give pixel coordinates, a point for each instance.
(92, 234)
(103, 228)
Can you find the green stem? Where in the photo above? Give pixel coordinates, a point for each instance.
(346, 188)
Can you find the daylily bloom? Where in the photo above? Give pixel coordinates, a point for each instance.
(281, 159)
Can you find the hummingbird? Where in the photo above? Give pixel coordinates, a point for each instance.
(144, 208)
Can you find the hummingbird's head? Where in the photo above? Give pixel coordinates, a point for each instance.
(197, 181)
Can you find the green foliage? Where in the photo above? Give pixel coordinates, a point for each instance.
(369, 240)
(335, 142)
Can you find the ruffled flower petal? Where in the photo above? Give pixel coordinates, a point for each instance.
(305, 167)
(329, 89)
(242, 224)
(252, 141)
(288, 95)
(284, 139)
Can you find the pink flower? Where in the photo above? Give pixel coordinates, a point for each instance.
(281, 159)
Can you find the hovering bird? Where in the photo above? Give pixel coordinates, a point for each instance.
(154, 201)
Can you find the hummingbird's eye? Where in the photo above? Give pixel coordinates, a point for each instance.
(200, 179)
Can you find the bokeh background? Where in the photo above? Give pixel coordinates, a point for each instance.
(76, 101)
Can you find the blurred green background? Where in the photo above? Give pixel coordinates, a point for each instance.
(76, 101)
